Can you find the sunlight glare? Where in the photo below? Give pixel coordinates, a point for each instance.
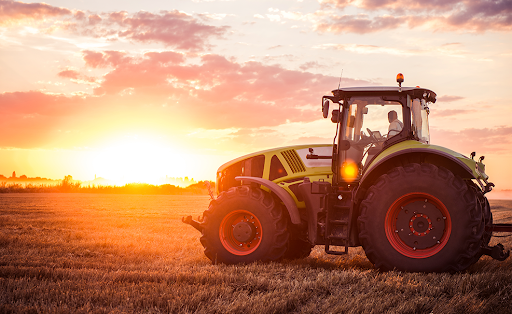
(137, 160)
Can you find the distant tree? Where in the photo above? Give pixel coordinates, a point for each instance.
(13, 174)
(23, 177)
(67, 184)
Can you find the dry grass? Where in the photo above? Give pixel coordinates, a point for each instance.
(130, 253)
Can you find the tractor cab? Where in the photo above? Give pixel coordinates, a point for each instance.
(371, 119)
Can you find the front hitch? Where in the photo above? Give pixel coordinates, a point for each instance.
(497, 252)
(189, 221)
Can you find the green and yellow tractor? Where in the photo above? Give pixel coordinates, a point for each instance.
(381, 185)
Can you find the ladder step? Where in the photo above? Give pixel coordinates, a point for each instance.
(336, 252)
(329, 251)
(337, 224)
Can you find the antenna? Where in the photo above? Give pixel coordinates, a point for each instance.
(339, 84)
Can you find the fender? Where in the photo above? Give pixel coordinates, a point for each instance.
(288, 201)
(418, 154)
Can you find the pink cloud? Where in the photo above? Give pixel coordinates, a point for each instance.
(448, 98)
(36, 103)
(359, 24)
(12, 11)
(96, 59)
(223, 88)
(452, 112)
(311, 64)
(72, 74)
(485, 140)
(451, 15)
(160, 89)
(172, 28)
(94, 19)
(76, 77)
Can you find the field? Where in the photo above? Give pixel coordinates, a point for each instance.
(95, 253)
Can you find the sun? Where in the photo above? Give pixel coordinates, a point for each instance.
(135, 159)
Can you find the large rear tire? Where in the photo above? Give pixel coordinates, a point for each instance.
(485, 208)
(421, 218)
(244, 225)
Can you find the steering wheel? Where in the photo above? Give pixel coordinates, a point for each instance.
(371, 135)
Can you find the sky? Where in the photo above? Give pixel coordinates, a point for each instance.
(137, 90)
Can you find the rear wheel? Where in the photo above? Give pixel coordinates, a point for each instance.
(485, 208)
(244, 225)
(421, 217)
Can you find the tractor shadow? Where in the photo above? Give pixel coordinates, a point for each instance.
(355, 260)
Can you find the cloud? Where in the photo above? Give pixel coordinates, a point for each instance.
(451, 15)
(76, 77)
(31, 118)
(96, 59)
(13, 11)
(452, 112)
(311, 64)
(172, 28)
(359, 24)
(175, 29)
(164, 91)
(238, 95)
(454, 50)
(485, 140)
(448, 98)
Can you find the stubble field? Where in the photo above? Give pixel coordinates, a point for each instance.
(91, 253)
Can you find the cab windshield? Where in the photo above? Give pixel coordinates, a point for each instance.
(420, 113)
(373, 117)
(372, 121)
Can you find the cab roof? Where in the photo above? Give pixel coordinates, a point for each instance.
(415, 92)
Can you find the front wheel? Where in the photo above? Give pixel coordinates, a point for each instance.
(421, 217)
(244, 225)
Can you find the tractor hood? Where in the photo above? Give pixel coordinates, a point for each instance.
(284, 165)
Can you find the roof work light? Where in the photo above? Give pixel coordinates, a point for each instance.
(400, 80)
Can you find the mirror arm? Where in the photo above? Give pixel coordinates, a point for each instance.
(311, 156)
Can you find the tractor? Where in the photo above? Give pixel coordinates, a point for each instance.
(381, 184)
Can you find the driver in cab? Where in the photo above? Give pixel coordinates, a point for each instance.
(395, 125)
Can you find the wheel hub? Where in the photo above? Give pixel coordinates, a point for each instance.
(243, 231)
(420, 224)
(240, 232)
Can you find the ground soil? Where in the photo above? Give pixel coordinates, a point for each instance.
(92, 253)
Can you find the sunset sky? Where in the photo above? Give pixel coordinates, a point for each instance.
(137, 90)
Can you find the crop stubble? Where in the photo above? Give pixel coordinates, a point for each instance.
(131, 253)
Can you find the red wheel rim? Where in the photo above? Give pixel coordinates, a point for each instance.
(240, 232)
(418, 225)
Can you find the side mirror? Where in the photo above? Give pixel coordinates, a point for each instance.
(335, 116)
(325, 108)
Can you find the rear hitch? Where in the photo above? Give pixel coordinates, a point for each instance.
(497, 252)
(189, 221)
